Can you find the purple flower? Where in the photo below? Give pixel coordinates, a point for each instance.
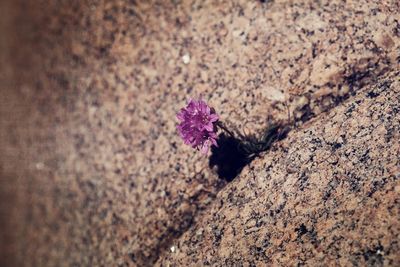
(197, 125)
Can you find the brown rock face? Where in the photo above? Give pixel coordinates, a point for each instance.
(92, 170)
(329, 194)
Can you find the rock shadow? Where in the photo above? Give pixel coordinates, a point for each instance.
(233, 154)
(228, 157)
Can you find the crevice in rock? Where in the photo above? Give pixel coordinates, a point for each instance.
(233, 154)
(228, 158)
(165, 241)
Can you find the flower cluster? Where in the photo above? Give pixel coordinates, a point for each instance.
(197, 125)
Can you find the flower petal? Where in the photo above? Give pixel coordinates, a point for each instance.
(213, 117)
(214, 142)
(197, 125)
(205, 146)
(209, 127)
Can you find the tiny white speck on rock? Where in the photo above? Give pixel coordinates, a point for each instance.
(40, 166)
(186, 58)
(173, 249)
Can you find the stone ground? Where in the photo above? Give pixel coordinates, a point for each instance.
(92, 170)
(328, 193)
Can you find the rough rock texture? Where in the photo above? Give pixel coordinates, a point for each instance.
(92, 170)
(327, 195)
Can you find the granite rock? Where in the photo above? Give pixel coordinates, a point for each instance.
(92, 170)
(327, 195)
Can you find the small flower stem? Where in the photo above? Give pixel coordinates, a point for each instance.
(223, 127)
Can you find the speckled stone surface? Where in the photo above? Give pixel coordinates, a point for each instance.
(327, 195)
(92, 170)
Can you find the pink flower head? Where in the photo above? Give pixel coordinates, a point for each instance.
(197, 125)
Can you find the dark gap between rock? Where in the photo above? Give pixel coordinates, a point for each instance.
(233, 154)
(228, 158)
